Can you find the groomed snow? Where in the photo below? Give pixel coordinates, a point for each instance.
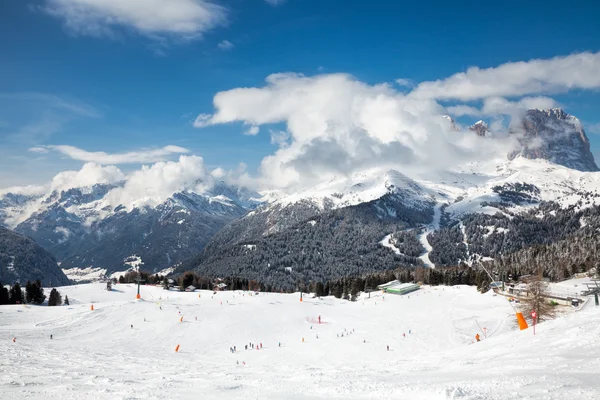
(97, 355)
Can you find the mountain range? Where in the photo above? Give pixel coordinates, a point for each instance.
(546, 189)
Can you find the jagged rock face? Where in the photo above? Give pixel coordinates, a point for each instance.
(555, 136)
(22, 260)
(480, 128)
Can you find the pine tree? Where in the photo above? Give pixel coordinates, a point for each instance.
(16, 295)
(319, 289)
(354, 289)
(4, 297)
(34, 292)
(536, 300)
(66, 300)
(55, 298)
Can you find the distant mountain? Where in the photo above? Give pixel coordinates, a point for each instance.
(22, 260)
(555, 136)
(83, 230)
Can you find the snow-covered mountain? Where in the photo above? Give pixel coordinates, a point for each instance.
(383, 219)
(83, 229)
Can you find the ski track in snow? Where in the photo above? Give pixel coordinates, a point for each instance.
(386, 242)
(96, 354)
(437, 213)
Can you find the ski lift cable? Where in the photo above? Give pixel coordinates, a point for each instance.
(492, 280)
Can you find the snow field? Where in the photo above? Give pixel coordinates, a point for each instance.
(96, 354)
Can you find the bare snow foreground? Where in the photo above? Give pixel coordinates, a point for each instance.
(97, 355)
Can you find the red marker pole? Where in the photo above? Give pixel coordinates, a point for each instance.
(534, 315)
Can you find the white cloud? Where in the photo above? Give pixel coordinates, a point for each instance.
(132, 157)
(404, 82)
(338, 125)
(558, 74)
(37, 149)
(181, 19)
(152, 185)
(252, 131)
(280, 138)
(90, 174)
(225, 45)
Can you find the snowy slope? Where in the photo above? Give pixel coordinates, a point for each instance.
(96, 354)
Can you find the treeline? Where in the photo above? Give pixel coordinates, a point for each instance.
(348, 288)
(146, 277)
(33, 294)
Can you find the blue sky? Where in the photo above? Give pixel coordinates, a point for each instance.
(124, 87)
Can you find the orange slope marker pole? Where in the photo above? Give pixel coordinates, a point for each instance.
(177, 349)
(521, 321)
(181, 319)
(92, 307)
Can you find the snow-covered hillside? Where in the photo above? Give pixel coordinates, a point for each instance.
(126, 348)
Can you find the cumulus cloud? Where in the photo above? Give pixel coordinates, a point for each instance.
(153, 184)
(280, 138)
(181, 19)
(404, 82)
(252, 131)
(338, 125)
(558, 74)
(225, 45)
(90, 174)
(132, 157)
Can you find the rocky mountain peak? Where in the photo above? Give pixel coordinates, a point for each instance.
(480, 128)
(555, 136)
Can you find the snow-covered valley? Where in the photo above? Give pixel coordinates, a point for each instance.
(126, 348)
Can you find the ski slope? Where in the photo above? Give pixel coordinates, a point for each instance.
(97, 355)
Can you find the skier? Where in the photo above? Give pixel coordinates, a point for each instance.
(319, 319)
(477, 337)
(246, 347)
(261, 345)
(317, 336)
(279, 344)
(131, 326)
(388, 348)
(144, 319)
(234, 348)
(50, 336)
